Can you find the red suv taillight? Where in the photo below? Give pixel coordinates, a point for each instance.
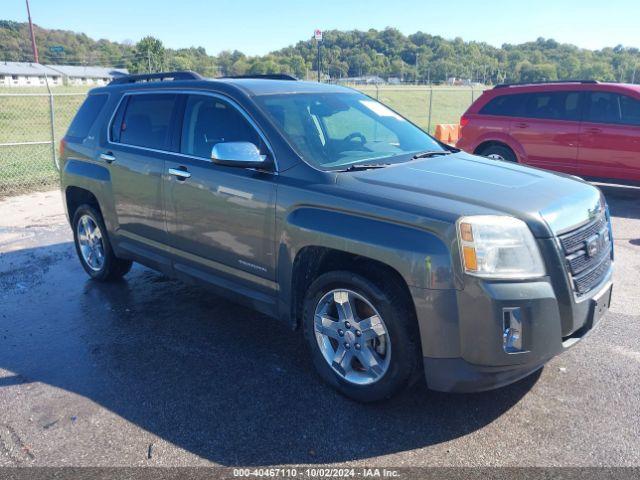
(463, 121)
(61, 147)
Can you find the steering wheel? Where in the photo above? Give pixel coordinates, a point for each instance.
(353, 135)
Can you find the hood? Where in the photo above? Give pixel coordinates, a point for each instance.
(463, 184)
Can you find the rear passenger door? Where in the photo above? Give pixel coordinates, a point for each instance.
(220, 219)
(548, 128)
(141, 138)
(610, 137)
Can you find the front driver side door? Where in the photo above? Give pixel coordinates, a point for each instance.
(220, 219)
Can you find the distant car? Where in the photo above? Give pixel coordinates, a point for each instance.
(395, 254)
(583, 128)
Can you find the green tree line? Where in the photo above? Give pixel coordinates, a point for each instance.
(419, 57)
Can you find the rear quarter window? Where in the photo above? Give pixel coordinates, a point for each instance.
(86, 117)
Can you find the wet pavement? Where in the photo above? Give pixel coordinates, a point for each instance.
(150, 371)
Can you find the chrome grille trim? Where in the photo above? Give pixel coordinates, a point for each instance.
(585, 271)
(573, 241)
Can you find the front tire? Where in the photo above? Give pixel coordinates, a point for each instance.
(93, 246)
(363, 337)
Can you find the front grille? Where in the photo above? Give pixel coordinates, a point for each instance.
(585, 283)
(588, 254)
(573, 241)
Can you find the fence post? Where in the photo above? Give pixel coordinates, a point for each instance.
(473, 94)
(377, 91)
(430, 106)
(52, 117)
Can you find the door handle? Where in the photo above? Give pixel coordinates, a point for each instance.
(593, 130)
(522, 125)
(108, 157)
(179, 173)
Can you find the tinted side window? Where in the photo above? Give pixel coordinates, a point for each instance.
(208, 121)
(86, 116)
(553, 105)
(603, 107)
(146, 122)
(505, 105)
(630, 110)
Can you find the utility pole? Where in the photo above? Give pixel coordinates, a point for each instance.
(319, 61)
(33, 37)
(149, 59)
(317, 34)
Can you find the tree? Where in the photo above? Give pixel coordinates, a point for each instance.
(149, 55)
(345, 53)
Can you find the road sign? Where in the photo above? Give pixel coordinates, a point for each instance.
(56, 49)
(317, 34)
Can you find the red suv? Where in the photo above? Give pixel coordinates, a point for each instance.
(585, 128)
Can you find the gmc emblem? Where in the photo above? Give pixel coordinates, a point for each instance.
(596, 243)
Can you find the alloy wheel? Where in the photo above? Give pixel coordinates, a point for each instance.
(352, 337)
(90, 242)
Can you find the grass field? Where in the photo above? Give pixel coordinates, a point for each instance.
(24, 117)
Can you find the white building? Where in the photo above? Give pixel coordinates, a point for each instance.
(80, 75)
(23, 74)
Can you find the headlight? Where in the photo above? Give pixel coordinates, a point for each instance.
(498, 247)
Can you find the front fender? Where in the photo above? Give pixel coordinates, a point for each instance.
(419, 256)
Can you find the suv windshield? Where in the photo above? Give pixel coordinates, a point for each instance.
(332, 131)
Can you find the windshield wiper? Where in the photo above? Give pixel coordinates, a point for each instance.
(430, 153)
(364, 166)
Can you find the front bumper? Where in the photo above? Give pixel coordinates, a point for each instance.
(465, 352)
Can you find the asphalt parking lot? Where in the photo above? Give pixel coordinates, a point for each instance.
(150, 371)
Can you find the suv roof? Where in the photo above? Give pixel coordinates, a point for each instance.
(505, 88)
(526, 84)
(250, 84)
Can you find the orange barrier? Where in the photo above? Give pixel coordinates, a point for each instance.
(448, 133)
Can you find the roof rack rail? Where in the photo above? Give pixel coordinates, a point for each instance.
(549, 82)
(161, 76)
(268, 76)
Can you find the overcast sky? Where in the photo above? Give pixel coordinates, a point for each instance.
(259, 26)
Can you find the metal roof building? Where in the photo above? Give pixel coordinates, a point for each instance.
(24, 74)
(87, 75)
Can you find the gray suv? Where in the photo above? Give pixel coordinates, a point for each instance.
(396, 255)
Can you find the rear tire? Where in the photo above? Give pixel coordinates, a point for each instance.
(380, 357)
(499, 152)
(93, 246)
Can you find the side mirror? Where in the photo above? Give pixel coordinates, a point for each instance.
(238, 154)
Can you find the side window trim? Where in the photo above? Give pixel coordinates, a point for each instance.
(180, 110)
(125, 103)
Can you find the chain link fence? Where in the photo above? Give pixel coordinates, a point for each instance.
(31, 125)
(425, 105)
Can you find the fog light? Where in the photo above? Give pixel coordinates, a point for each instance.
(512, 330)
